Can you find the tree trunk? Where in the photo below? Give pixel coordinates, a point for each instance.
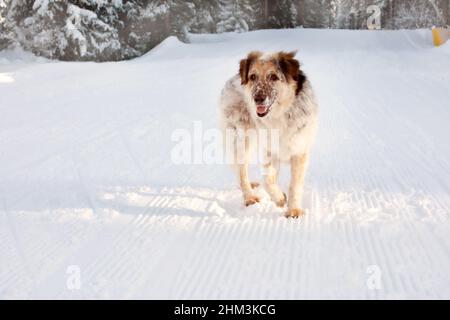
(392, 13)
(167, 24)
(446, 9)
(300, 12)
(266, 9)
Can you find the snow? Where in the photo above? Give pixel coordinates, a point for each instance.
(86, 177)
(12, 57)
(445, 47)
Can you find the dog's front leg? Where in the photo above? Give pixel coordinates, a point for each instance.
(270, 181)
(298, 169)
(243, 158)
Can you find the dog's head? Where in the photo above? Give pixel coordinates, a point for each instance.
(271, 80)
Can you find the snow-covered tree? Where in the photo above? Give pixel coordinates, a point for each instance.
(5, 33)
(235, 15)
(121, 29)
(181, 15)
(206, 16)
(88, 36)
(281, 14)
(317, 13)
(420, 13)
(2, 12)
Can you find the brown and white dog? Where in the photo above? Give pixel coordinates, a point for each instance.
(272, 93)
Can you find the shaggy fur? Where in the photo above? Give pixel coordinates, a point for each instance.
(272, 93)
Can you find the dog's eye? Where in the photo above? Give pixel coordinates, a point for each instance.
(273, 77)
(253, 77)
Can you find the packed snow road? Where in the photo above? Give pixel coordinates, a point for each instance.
(92, 205)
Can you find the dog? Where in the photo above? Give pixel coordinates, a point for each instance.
(271, 92)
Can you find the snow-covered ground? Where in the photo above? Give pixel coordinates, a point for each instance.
(88, 188)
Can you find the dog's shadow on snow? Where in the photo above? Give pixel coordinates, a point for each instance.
(137, 200)
(188, 202)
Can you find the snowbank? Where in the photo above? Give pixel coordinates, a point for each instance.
(17, 55)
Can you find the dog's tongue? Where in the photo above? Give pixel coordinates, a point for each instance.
(261, 109)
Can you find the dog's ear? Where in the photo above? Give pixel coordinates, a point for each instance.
(244, 65)
(291, 68)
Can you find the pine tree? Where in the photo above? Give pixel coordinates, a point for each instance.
(206, 16)
(43, 31)
(145, 25)
(5, 32)
(283, 14)
(317, 13)
(181, 13)
(238, 16)
(122, 29)
(90, 33)
(419, 14)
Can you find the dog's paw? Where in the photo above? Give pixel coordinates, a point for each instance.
(294, 213)
(251, 199)
(282, 201)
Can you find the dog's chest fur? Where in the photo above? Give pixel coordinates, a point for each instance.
(294, 120)
(295, 126)
(288, 131)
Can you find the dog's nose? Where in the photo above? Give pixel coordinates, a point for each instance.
(259, 99)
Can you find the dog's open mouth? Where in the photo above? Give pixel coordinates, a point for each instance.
(262, 110)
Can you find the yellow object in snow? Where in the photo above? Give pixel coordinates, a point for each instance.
(440, 35)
